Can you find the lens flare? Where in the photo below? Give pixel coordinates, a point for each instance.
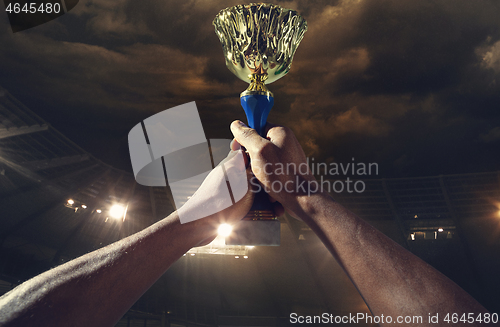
(225, 230)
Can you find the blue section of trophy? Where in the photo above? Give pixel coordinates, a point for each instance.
(257, 108)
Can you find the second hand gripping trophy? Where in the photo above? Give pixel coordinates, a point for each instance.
(259, 41)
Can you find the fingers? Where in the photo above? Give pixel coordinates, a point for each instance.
(279, 135)
(247, 136)
(235, 146)
(268, 127)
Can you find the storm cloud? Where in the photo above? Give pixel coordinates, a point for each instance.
(411, 84)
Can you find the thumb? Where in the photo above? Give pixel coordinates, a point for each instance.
(246, 136)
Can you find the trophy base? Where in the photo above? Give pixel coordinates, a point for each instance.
(260, 214)
(259, 227)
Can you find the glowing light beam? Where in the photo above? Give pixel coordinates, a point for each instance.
(225, 230)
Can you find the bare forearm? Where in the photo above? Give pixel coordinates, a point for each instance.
(391, 279)
(98, 288)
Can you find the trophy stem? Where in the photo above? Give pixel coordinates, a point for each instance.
(262, 208)
(260, 226)
(257, 105)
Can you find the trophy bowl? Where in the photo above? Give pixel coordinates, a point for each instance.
(259, 39)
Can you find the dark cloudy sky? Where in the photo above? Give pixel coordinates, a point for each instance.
(409, 84)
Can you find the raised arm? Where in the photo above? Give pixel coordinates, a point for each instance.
(392, 281)
(99, 287)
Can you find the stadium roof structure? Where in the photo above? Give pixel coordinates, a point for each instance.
(55, 199)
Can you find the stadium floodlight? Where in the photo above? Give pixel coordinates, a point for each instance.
(225, 230)
(117, 211)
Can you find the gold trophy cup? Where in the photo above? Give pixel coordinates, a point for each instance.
(258, 41)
